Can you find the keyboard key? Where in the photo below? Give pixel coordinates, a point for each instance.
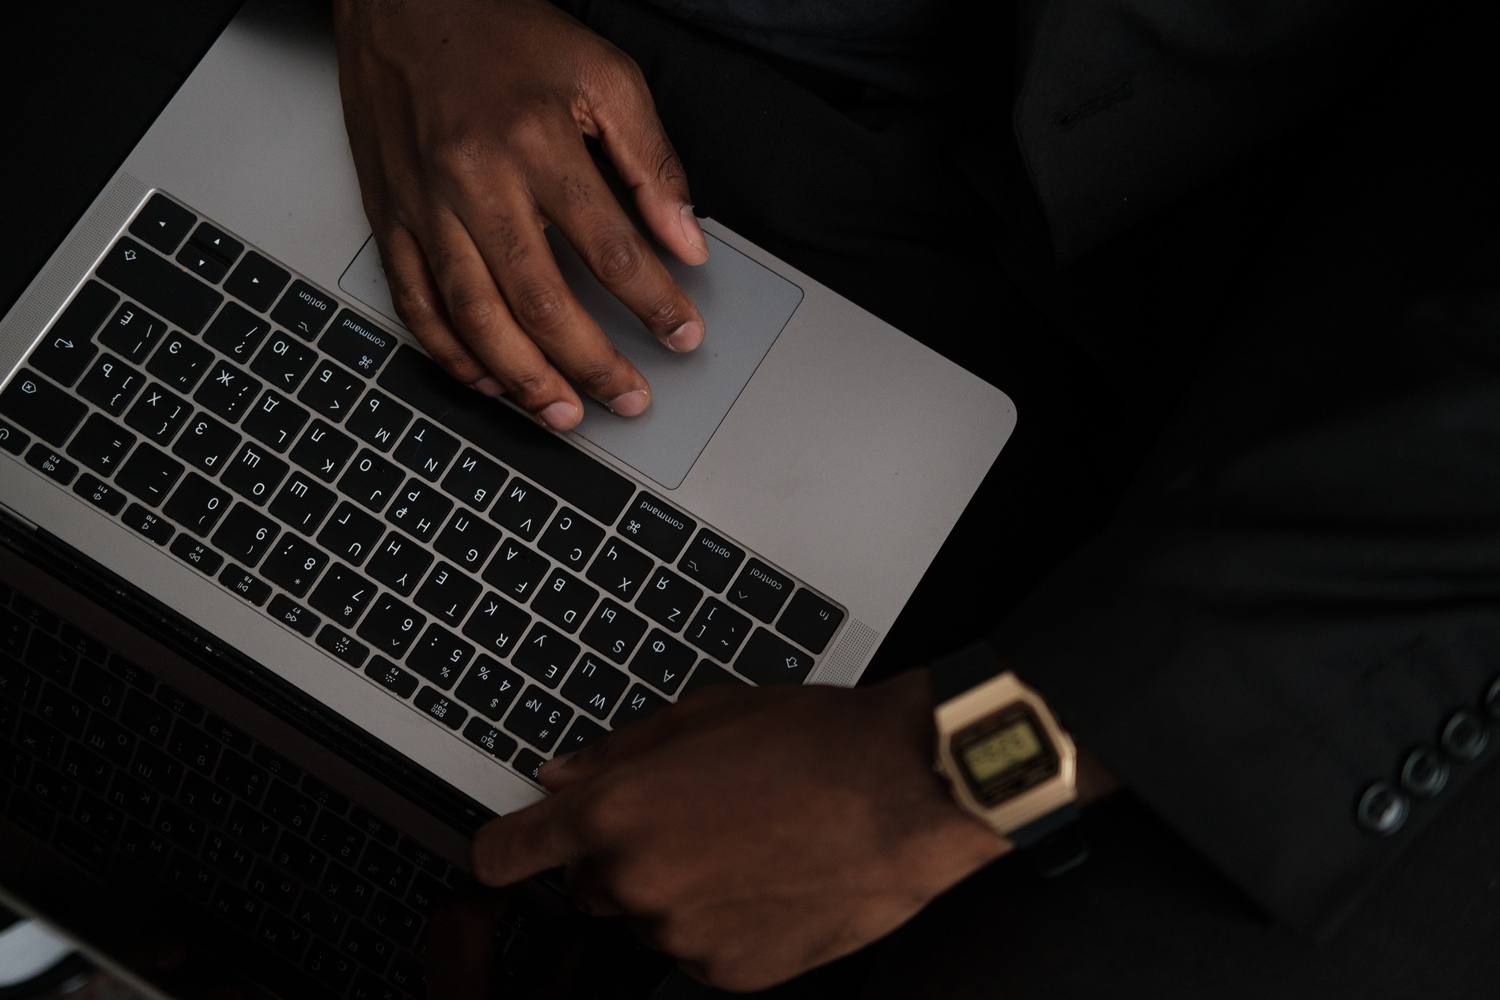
(770, 659)
(595, 687)
(489, 687)
(571, 540)
(489, 739)
(197, 555)
(68, 347)
(41, 407)
(639, 703)
(47, 461)
(331, 391)
(391, 627)
(399, 563)
(205, 265)
(293, 565)
(388, 870)
(440, 708)
(179, 704)
(256, 282)
(145, 848)
(99, 818)
(391, 677)
(155, 769)
(236, 906)
(226, 734)
(180, 362)
(718, 630)
(299, 618)
(151, 525)
(350, 533)
(13, 439)
(193, 747)
(83, 644)
(274, 887)
(275, 420)
(810, 620)
(17, 683)
(761, 590)
(215, 241)
(197, 505)
(711, 560)
(440, 656)
(13, 632)
(523, 509)
(564, 600)
(342, 595)
(371, 480)
(51, 657)
(426, 450)
(162, 223)
(227, 391)
(35, 614)
(86, 767)
(237, 332)
(246, 534)
(98, 688)
(204, 798)
(283, 362)
(474, 479)
(299, 858)
(545, 654)
(613, 630)
(254, 474)
(448, 594)
(132, 332)
(131, 674)
(656, 527)
(323, 451)
(358, 343)
(159, 285)
(324, 796)
(242, 778)
(337, 838)
(663, 662)
(100, 444)
(528, 763)
(63, 710)
(289, 807)
(496, 624)
(345, 647)
(391, 918)
(302, 503)
(419, 509)
(207, 443)
(538, 718)
(669, 599)
(509, 438)
(467, 540)
(515, 571)
(378, 420)
(303, 310)
(158, 414)
(249, 587)
(39, 739)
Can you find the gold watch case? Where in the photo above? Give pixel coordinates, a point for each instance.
(989, 699)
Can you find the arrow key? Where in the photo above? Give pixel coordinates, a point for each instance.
(257, 282)
(770, 659)
(215, 242)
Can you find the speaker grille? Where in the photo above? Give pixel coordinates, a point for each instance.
(844, 665)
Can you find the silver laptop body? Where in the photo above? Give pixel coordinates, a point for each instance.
(835, 451)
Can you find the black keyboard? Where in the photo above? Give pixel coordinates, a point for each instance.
(509, 586)
(139, 785)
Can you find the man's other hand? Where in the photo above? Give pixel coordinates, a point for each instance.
(467, 121)
(753, 833)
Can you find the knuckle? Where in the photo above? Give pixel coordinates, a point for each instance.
(596, 377)
(455, 360)
(472, 311)
(537, 306)
(412, 302)
(460, 157)
(617, 257)
(527, 385)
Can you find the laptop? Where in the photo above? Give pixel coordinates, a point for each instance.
(263, 551)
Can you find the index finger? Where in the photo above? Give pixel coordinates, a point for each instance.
(524, 843)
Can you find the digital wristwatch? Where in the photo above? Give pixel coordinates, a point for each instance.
(1009, 762)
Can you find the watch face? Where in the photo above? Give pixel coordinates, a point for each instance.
(1004, 754)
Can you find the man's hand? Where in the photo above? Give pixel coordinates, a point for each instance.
(467, 121)
(753, 833)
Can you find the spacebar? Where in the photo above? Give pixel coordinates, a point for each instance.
(511, 439)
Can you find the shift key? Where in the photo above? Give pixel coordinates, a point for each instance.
(159, 285)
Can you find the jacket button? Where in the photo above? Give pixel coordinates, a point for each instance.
(1425, 772)
(1382, 809)
(1464, 737)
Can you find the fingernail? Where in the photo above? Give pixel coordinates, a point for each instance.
(687, 336)
(488, 385)
(559, 416)
(555, 764)
(629, 404)
(691, 231)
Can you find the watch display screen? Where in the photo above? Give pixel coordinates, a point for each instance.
(1004, 754)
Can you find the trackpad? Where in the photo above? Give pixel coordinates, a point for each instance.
(744, 305)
